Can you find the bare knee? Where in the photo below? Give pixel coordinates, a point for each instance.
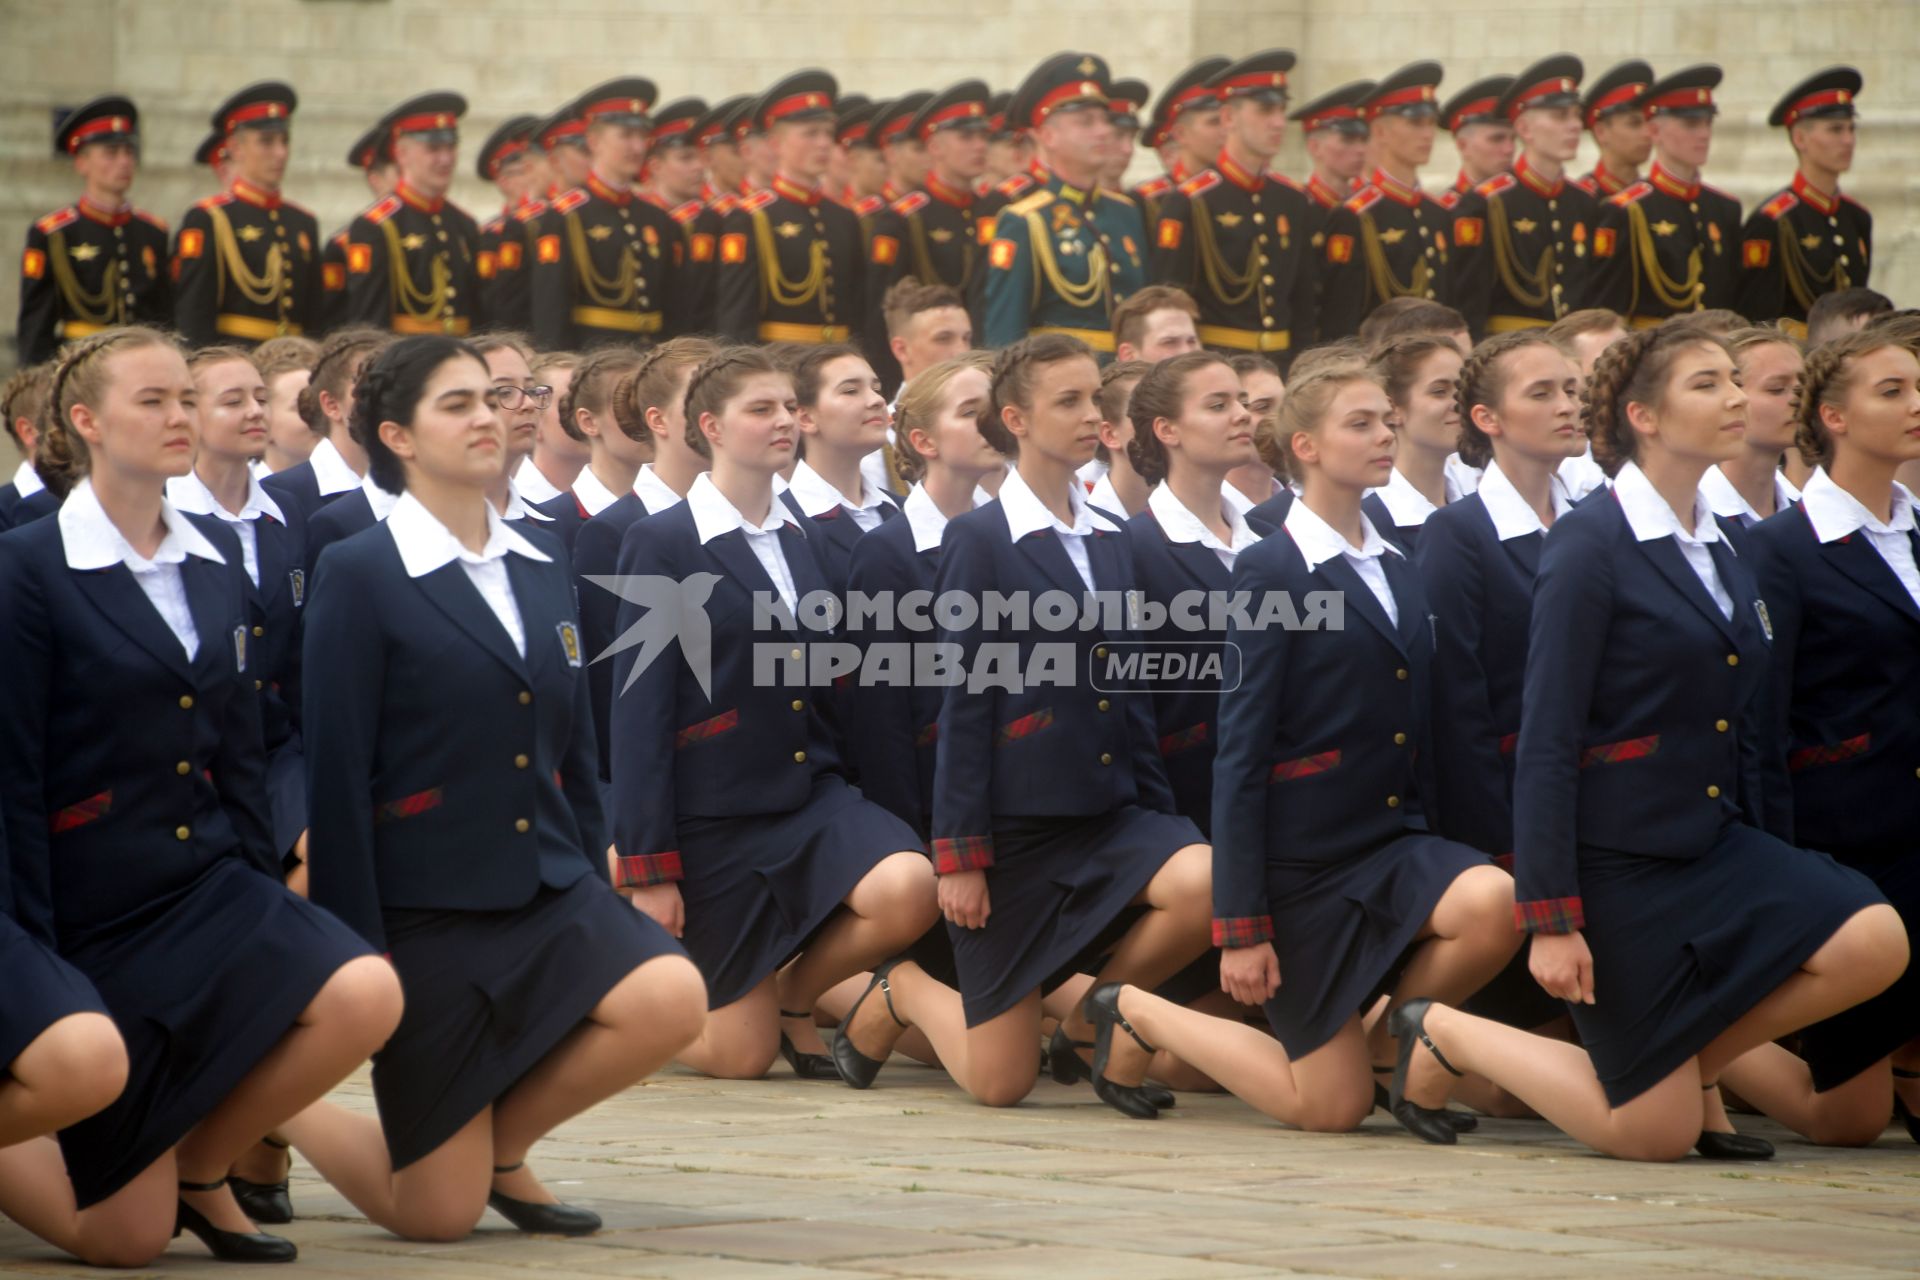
(902, 888)
(670, 1001)
(80, 1059)
(1855, 1130)
(748, 1058)
(1339, 1113)
(1877, 946)
(447, 1222)
(127, 1247)
(362, 1000)
(1190, 878)
(1003, 1089)
(1655, 1144)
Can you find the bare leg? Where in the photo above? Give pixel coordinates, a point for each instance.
(841, 996)
(997, 1062)
(438, 1197)
(1467, 941)
(1853, 1114)
(887, 911)
(73, 1069)
(739, 1040)
(130, 1228)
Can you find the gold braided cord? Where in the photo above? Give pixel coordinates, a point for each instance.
(775, 288)
(1231, 288)
(409, 299)
(615, 294)
(261, 290)
(1670, 293)
(1094, 293)
(1528, 289)
(1385, 284)
(102, 308)
(1803, 281)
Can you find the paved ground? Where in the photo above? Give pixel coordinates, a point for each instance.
(784, 1180)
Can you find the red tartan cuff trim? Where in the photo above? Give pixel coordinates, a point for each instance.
(1504, 861)
(1242, 931)
(643, 870)
(962, 853)
(1550, 915)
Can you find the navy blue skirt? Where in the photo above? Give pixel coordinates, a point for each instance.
(1341, 931)
(1684, 948)
(1056, 887)
(758, 886)
(489, 994)
(39, 989)
(202, 983)
(1846, 1044)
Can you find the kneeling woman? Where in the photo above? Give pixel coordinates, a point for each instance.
(148, 857)
(735, 825)
(1682, 935)
(457, 825)
(1330, 888)
(1055, 835)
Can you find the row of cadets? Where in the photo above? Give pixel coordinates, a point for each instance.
(98, 262)
(1482, 135)
(1389, 240)
(508, 160)
(1232, 234)
(1184, 131)
(1522, 239)
(372, 155)
(672, 178)
(1336, 140)
(246, 261)
(607, 263)
(1063, 256)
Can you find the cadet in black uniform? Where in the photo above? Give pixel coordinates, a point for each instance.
(247, 262)
(413, 259)
(1667, 245)
(1390, 239)
(672, 179)
(1189, 92)
(903, 149)
(372, 154)
(790, 259)
(1231, 235)
(99, 261)
(507, 161)
(1615, 111)
(1124, 100)
(563, 137)
(1336, 137)
(1808, 239)
(606, 266)
(1521, 240)
(1482, 135)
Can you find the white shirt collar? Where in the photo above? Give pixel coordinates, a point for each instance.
(1512, 517)
(591, 494)
(714, 515)
(533, 482)
(1407, 505)
(1026, 514)
(816, 496)
(1182, 525)
(93, 542)
(1319, 542)
(26, 481)
(380, 500)
(925, 518)
(330, 471)
(1238, 502)
(1649, 516)
(653, 492)
(518, 508)
(190, 493)
(1834, 513)
(1727, 500)
(425, 544)
(1461, 478)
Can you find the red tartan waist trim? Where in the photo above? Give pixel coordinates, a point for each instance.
(1304, 767)
(928, 735)
(79, 815)
(1509, 741)
(1831, 753)
(706, 729)
(409, 806)
(1184, 739)
(1619, 752)
(1025, 727)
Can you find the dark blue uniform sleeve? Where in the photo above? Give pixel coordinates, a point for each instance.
(1469, 772)
(1780, 588)
(1240, 783)
(963, 765)
(644, 720)
(882, 734)
(26, 649)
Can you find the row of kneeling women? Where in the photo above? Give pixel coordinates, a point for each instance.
(1592, 811)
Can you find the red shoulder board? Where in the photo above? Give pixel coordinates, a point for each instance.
(528, 212)
(724, 203)
(1200, 183)
(497, 227)
(159, 224)
(1282, 180)
(568, 201)
(1588, 183)
(1448, 199)
(214, 202)
(1154, 186)
(1015, 185)
(339, 238)
(760, 200)
(1496, 184)
(1777, 207)
(1363, 200)
(865, 206)
(684, 214)
(911, 203)
(379, 213)
(57, 219)
(1638, 191)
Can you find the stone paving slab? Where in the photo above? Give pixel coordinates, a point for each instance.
(789, 1180)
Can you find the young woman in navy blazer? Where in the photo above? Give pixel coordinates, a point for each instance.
(1278, 457)
(457, 826)
(1420, 373)
(1331, 887)
(521, 402)
(336, 465)
(843, 418)
(1750, 486)
(1682, 934)
(734, 825)
(1053, 823)
(1843, 763)
(614, 458)
(146, 859)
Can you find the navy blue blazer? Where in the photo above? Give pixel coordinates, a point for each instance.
(1843, 754)
(567, 517)
(596, 552)
(126, 770)
(28, 509)
(1480, 589)
(747, 747)
(892, 727)
(833, 534)
(1186, 720)
(296, 489)
(1049, 750)
(1274, 512)
(278, 605)
(9, 499)
(345, 516)
(1640, 711)
(1325, 748)
(445, 771)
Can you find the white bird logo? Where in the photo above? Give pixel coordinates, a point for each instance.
(675, 610)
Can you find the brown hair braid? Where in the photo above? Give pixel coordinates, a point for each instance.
(1634, 371)
(1483, 381)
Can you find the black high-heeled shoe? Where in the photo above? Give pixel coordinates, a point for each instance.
(1102, 1008)
(1065, 1065)
(1460, 1120)
(855, 1067)
(1715, 1145)
(267, 1202)
(541, 1219)
(1900, 1107)
(1429, 1124)
(230, 1246)
(808, 1066)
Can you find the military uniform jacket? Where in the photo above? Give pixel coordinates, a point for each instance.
(1521, 252)
(1388, 241)
(84, 271)
(246, 268)
(700, 236)
(505, 277)
(1600, 184)
(606, 269)
(1061, 258)
(1234, 240)
(1798, 245)
(931, 235)
(413, 266)
(1665, 247)
(791, 267)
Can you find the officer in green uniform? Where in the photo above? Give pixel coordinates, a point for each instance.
(99, 261)
(247, 261)
(1809, 238)
(507, 161)
(1482, 136)
(413, 259)
(1191, 90)
(1231, 234)
(1063, 256)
